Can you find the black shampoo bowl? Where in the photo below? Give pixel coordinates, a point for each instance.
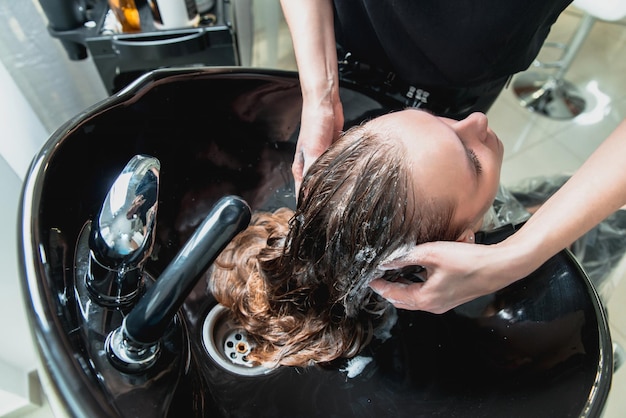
(539, 348)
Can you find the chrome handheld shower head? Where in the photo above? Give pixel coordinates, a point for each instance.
(122, 233)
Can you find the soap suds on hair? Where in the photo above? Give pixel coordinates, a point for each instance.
(395, 254)
(355, 298)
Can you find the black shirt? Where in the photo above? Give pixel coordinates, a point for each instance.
(446, 43)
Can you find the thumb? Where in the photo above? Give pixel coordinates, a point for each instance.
(307, 161)
(397, 293)
(383, 287)
(297, 169)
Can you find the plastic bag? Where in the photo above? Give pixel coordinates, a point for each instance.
(599, 251)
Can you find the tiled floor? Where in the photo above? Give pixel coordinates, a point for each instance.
(536, 145)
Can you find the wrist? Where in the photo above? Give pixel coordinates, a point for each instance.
(518, 256)
(319, 90)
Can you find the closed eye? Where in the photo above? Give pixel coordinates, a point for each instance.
(474, 159)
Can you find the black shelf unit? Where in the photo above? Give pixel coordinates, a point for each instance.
(122, 57)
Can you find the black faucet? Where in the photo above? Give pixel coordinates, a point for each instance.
(134, 346)
(121, 239)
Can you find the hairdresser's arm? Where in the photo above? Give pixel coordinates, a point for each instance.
(459, 272)
(312, 31)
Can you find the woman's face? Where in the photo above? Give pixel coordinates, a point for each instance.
(455, 160)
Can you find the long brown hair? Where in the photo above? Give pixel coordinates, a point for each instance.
(297, 282)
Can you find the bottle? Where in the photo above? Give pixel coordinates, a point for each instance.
(127, 14)
(171, 14)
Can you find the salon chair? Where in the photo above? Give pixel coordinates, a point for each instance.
(549, 93)
(538, 348)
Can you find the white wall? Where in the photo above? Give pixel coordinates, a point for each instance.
(40, 89)
(22, 135)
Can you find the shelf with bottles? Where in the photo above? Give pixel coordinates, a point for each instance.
(75, 22)
(141, 16)
(132, 16)
(84, 27)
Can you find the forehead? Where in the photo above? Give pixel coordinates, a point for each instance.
(427, 139)
(436, 157)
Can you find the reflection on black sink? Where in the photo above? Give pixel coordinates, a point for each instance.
(540, 347)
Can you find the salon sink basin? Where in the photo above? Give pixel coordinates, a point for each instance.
(539, 348)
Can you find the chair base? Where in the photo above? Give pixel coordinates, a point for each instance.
(548, 96)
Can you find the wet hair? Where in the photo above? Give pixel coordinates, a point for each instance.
(297, 282)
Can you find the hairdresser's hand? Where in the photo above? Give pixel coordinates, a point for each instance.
(320, 126)
(312, 28)
(455, 273)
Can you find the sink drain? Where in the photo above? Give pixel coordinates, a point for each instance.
(228, 344)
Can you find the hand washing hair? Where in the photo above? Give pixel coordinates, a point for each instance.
(297, 281)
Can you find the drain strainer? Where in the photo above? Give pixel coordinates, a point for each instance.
(228, 345)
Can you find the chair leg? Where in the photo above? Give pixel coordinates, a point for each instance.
(550, 94)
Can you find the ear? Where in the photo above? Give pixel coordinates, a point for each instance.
(466, 236)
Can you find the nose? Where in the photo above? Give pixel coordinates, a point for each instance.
(472, 128)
